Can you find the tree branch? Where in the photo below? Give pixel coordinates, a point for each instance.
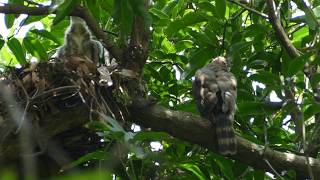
(308, 12)
(296, 114)
(264, 16)
(280, 32)
(199, 131)
(78, 11)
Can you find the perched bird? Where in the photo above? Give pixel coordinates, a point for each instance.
(215, 93)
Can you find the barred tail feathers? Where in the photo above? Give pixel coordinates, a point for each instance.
(225, 134)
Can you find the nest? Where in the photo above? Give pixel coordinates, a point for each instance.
(48, 99)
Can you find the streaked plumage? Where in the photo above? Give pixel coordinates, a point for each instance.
(215, 92)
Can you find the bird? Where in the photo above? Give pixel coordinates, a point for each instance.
(215, 92)
(79, 42)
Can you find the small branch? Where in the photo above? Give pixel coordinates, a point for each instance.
(78, 11)
(280, 32)
(308, 11)
(264, 16)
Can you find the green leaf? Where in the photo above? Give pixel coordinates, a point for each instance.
(194, 169)
(174, 27)
(187, 20)
(20, 2)
(28, 45)
(315, 79)
(46, 34)
(97, 126)
(225, 166)
(316, 11)
(63, 10)
(255, 30)
(254, 108)
(115, 126)
(107, 5)
(183, 45)
(151, 136)
(31, 19)
(9, 20)
(198, 59)
(165, 74)
(155, 74)
(310, 21)
(93, 174)
(159, 13)
(7, 174)
(311, 110)
(177, 8)
(277, 135)
(94, 8)
(6, 57)
(258, 64)
(207, 6)
(221, 8)
(204, 39)
(123, 16)
(1, 42)
(97, 155)
(167, 46)
(17, 50)
(300, 34)
(297, 64)
(258, 174)
(34, 47)
(266, 78)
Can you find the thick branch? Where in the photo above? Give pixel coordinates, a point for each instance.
(81, 12)
(197, 130)
(280, 32)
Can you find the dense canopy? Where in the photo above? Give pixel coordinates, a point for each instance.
(146, 124)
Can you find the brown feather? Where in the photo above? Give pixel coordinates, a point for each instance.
(215, 92)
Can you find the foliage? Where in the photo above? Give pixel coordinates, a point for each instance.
(186, 34)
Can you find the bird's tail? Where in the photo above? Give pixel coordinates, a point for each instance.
(225, 134)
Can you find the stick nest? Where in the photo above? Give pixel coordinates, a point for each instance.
(49, 98)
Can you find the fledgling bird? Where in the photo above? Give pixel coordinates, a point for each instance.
(78, 41)
(215, 92)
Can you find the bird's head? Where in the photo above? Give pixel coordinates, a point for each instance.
(220, 61)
